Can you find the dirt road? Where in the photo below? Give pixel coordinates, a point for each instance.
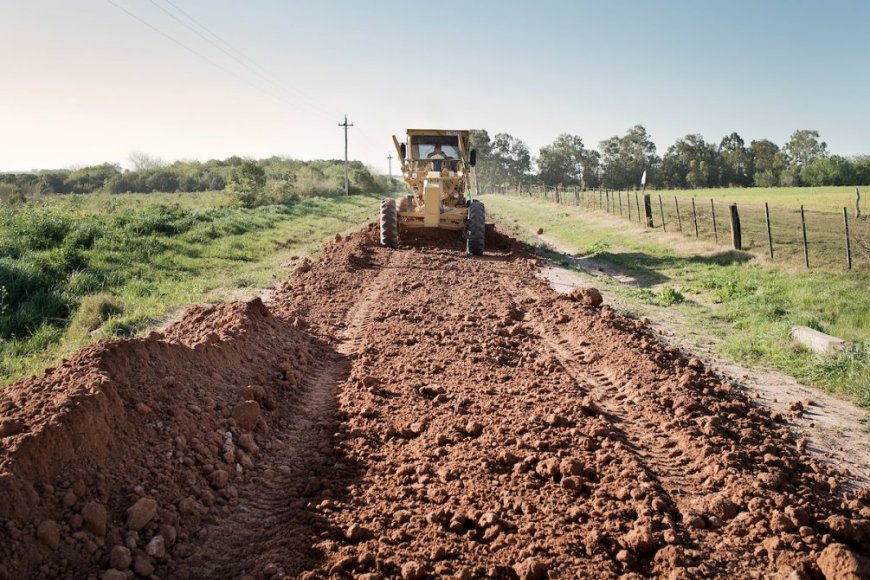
(411, 413)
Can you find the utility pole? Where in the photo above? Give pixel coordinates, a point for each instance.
(345, 125)
(390, 162)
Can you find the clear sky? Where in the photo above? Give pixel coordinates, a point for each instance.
(82, 82)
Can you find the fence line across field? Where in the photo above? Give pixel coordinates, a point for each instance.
(815, 238)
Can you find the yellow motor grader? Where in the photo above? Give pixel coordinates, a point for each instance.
(437, 166)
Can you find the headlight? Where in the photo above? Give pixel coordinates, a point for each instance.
(458, 174)
(414, 175)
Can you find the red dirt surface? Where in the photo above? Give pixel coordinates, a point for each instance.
(410, 413)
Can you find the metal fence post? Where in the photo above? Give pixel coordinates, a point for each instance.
(804, 230)
(769, 236)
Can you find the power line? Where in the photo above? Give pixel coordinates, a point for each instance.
(239, 58)
(210, 32)
(192, 51)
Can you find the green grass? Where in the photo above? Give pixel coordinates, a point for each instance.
(74, 269)
(708, 219)
(833, 198)
(743, 308)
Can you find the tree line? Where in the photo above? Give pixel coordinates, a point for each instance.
(691, 162)
(282, 178)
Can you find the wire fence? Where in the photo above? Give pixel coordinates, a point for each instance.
(814, 239)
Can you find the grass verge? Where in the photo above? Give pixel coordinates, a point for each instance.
(80, 268)
(726, 300)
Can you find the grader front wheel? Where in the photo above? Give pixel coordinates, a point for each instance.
(389, 221)
(476, 228)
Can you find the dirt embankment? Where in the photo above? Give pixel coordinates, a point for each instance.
(418, 413)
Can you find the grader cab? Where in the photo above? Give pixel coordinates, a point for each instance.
(437, 167)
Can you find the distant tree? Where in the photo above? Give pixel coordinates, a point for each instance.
(624, 159)
(246, 184)
(481, 142)
(512, 158)
(770, 163)
(161, 180)
(861, 163)
(834, 170)
(51, 182)
(691, 162)
(502, 159)
(127, 182)
(737, 164)
(561, 162)
(142, 162)
(90, 179)
(804, 147)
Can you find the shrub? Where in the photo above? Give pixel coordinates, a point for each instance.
(246, 185)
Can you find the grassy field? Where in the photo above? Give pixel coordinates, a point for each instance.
(833, 198)
(74, 269)
(707, 218)
(730, 301)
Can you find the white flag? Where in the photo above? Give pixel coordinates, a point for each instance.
(643, 178)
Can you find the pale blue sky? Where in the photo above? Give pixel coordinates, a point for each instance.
(83, 82)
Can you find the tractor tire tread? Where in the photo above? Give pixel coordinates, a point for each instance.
(476, 228)
(389, 223)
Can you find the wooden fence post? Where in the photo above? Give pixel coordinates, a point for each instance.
(848, 242)
(679, 218)
(558, 197)
(695, 217)
(806, 247)
(620, 203)
(628, 203)
(769, 236)
(637, 203)
(857, 203)
(662, 212)
(647, 210)
(736, 235)
(713, 213)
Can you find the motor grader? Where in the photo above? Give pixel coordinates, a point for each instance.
(437, 166)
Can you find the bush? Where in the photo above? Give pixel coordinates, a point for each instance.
(246, 185)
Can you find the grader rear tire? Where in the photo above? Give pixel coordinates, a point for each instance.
(389, 221)
(475, 235)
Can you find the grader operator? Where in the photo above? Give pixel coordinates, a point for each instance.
(437, 166)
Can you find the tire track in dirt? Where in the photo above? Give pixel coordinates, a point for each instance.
(274, 514)
(657, 454)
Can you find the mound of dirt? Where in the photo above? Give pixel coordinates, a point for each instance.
(124, 449)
